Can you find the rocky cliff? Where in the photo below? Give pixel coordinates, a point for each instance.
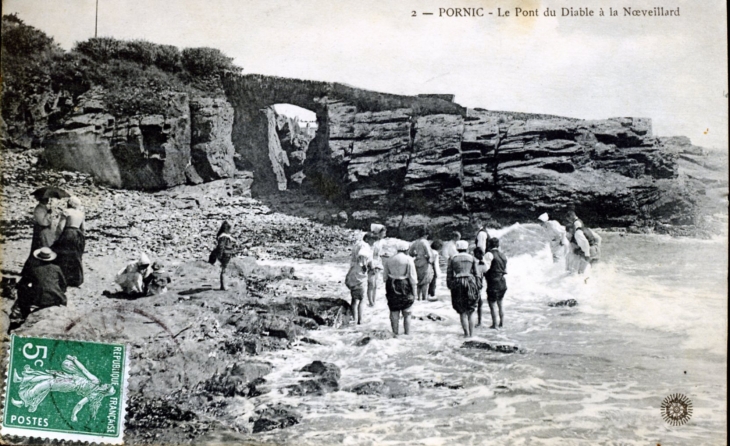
(450, 170)
(191, 142)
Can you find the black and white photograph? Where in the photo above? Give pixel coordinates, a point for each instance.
(340, 222)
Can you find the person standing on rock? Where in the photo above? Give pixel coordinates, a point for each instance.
(482, 237)
(71, 243)
(496, 263)
(401, 283)
(131, 277)
(223, 251)
(361, 258)
(463, 280)
(41, 286)
(423, 257)
(557, 235)
(374, 273)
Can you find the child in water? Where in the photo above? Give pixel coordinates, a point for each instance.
(223, 251)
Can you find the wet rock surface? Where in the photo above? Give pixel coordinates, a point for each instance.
(499, 348)
(325, 379)
(563, 303)
(392, 388)
(278, 416)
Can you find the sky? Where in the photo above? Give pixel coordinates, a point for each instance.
(670, 69)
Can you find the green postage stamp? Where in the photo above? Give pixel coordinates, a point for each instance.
(66, 390)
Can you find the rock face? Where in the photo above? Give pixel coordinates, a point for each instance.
(405, 161)
(211, 148)
(147, 152)
(407, 170)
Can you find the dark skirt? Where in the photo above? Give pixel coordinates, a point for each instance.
(43, 237)
(464, 294)
(399, 294)
(70, 249)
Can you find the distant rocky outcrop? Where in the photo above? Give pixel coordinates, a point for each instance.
(191, 142)
(409, 161)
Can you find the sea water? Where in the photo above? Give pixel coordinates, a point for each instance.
(651, 321)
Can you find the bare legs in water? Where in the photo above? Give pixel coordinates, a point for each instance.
(467, 323)
(356, 307)
(492, 309)
(394, 321)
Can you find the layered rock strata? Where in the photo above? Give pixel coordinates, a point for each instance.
(191, 142)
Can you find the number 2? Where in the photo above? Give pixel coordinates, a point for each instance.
(413, 13)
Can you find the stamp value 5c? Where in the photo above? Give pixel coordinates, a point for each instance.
(66, 390)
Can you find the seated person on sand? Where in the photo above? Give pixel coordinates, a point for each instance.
(361, 259)
(131, 277)
(156, 283)
(42, 285)
(401, 284)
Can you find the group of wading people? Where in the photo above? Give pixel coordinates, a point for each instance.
(413, 272)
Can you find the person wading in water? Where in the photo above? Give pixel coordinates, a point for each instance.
(496, 285)
(401, 282)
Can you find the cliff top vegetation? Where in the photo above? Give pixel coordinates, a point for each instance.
(132, 73)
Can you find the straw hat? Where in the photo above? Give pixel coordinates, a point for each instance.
(143, 259)
(544, 217)
(44, 254)
(462, 245)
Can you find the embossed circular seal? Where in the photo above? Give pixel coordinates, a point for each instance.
(676, 409)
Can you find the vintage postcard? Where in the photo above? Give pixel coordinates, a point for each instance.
(419, 222)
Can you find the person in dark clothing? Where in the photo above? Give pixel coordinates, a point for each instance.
(71, 243)
(42, 285)
(156, 283)
(223, 251)
(464, 283)
(496, 285)
(43, 234)
(481, 271)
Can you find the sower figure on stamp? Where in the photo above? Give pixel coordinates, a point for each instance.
(223, 251)
(35, 385)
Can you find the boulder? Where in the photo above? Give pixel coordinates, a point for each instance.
(325, 379)
(278, 416)
(211, 149)
(391, 388)
(563, 303)
(499, 348)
